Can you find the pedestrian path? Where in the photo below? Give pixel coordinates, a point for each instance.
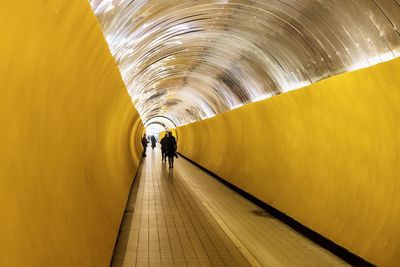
(185, 217)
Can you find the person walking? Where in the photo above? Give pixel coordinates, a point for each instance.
(144, 144)
(170, 147)
(153, 142)
(163, 148)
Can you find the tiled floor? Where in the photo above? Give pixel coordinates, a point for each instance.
(184, 217)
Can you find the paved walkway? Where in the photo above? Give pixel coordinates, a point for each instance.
(185, 217)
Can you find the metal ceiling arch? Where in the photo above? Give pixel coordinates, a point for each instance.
(159, 123)
(191, 59)
(166, 122)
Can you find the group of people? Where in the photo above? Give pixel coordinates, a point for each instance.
(168, 147)
(145, 141)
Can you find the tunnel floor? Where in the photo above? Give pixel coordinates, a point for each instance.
(185, 217)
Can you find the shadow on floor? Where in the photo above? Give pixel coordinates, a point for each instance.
(262, 213)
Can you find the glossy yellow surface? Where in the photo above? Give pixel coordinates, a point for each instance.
(67, 126)
(327, 155)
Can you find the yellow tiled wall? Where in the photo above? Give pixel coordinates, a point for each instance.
(327, 155)
(69, 142)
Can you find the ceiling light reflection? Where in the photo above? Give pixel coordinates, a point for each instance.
(191, 60)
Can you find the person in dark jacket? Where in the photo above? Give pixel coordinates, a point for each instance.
(153, 141)
(163, 150)
(144, 144)
(170, 147)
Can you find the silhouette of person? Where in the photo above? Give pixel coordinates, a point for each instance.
(153, 142)
(170, 147)
(144, 144)
(163, 148)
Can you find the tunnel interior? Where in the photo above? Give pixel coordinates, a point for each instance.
(294, 102)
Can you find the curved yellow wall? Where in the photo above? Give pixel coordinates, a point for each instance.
(328, 155)
(67, 128)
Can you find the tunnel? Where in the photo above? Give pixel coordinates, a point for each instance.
(286, 115)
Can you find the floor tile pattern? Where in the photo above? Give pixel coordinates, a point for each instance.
(184, 217)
